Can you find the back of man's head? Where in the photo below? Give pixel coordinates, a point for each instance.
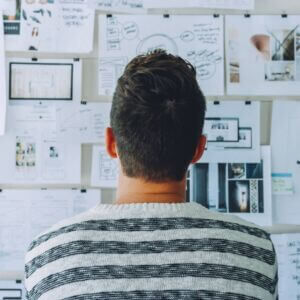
(157, 117)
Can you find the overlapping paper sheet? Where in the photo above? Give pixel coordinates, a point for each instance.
(31, 151)
(263, 55)
(12, 290)
(233, 132)
(198, 39)
(24, 214)
(105, 170)
(285, 144)
(220, 4)
(2, 81)
(44, 79)
(287, 247)
(242, 189)
(84, 122)
(65, 26)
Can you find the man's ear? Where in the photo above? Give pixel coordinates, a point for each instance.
(110, 142)
(200, 149)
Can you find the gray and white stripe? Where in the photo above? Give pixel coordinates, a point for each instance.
(98, 257)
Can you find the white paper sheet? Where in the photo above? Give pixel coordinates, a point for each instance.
(285, 144)
(55, 26)
(263, 55)
(12, 289)
(85, 122)
(32, 153)
(104, 169)
(2, 80)
(44, 80)
(128, 6)
(242, 189)
(221, 4)
(287, 247)
(233, 132)
(26, 213)
(199, 39)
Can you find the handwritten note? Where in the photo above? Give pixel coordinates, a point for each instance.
(54, 26)
(197, 39)
(287, 248)
(85, 122)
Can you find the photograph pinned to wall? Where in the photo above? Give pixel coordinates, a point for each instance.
(125, 36)
(105, 170)
(11, 16)
(50, 26)
(54, 157)
(285, 144)
(262, 55)
(26, 156)
(232, 129)
(243, 189)
(44, 79)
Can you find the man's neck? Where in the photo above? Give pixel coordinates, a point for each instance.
(135, 190)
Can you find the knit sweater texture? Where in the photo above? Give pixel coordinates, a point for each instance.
(152, 251)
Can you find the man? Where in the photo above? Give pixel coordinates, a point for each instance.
(151, 244)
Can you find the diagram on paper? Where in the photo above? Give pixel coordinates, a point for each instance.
(232, 131)
(197, 39)
(105, 170)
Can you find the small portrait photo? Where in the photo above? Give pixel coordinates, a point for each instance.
(236, 171)
(254, 171)
(53, 152)
(239, 196)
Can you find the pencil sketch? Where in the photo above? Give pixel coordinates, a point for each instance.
(198, 40)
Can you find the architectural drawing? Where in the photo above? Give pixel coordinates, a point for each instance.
(197, 39)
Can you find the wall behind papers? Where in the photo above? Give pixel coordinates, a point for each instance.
(90, 93)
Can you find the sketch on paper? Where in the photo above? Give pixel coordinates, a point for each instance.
(232, 131)
(233, 187)
(105, 170)
(44, 79)
(40, 81)
(262, 56)
(24, 214)
(198, 40)
(49, 25)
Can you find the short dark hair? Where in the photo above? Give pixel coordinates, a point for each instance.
(157, 117)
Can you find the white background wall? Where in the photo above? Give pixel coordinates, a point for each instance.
(90, 93)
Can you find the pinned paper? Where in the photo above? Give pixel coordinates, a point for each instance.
(282, 184)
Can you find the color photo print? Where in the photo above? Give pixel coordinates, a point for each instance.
(237, 188)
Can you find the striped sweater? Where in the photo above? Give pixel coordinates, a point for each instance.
(152, 251)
